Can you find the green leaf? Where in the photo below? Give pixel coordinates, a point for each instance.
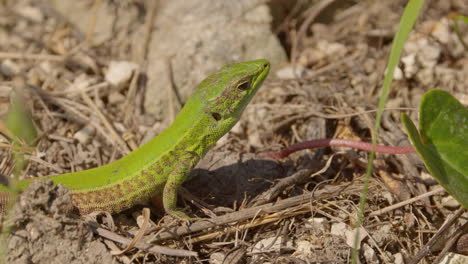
(442, 141)
(19, 121)
(457, 29)
(21, 127)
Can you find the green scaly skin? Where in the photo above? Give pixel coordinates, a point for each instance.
(162, 164)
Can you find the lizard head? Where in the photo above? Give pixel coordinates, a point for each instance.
(236, 84)
(219, 100)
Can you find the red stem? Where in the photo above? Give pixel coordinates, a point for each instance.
(333, 142)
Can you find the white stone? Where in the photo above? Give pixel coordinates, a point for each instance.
(426, 176)
(9, 68)
(428, 55)
(334, 49)
(267, 244)
(5, 91)
(30, 12)
(450, 202)
(318, 223)
(411, 68)
(290, 72)
(120, 72)
(398, 74)
(116, 98)
(303, 248)
(369, 253)
(351, 234)
(441, 31)
(217, 258)
(398, 258)
(339, 229)
(453, 258)
(425, 76)
(382, 234)
(85, 135)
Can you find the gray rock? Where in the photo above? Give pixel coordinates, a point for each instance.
(195, 38)
(190, 40)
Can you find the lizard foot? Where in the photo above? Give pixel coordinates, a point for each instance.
(182, 216)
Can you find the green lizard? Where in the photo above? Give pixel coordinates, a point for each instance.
(162, 164)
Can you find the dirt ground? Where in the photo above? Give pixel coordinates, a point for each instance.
(302, 209)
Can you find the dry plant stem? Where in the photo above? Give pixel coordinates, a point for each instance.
(272, 218)
(283, 27)
(73, 112)
(333, 142)
(24, 56)
(235, 256)
(310, 113)
(5, 146)
(144, 246)
(139, 235)
(140, 59)
(112, 246)
(172, 92)
(198, 226)
(400, 204)
(187, 196)
(148, 30)
(302, 30)
(45, 163)
(296, 178)
(333, 65)
(129, 101)
(92, 22)
(71, 92)
(50, 11)
(374, 244)
(426, 249)
(120, 142)
(252, 224)
(4, 130)
(453, 238)
(273, 192)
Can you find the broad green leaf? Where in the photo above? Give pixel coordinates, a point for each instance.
(442, 141)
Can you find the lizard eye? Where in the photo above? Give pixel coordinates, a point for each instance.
(216, 116)
(244, 86)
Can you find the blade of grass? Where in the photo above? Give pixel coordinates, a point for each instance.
(19, 127)
(407, 21)
(457, 30)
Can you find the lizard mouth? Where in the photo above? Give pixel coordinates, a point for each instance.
(263, 73)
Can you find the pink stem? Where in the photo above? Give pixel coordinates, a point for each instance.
(333, 142)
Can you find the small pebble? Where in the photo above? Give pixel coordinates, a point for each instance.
(120, 72)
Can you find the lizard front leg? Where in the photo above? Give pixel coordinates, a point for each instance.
(174, 180)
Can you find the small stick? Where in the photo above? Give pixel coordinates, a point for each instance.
(92, 22)
(24, 56)
(403, 203)
(144, 246)
(120, 142)
(305, 26)
(437, 236)
(206, 224)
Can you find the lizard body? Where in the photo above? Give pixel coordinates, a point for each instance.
(162, 164)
